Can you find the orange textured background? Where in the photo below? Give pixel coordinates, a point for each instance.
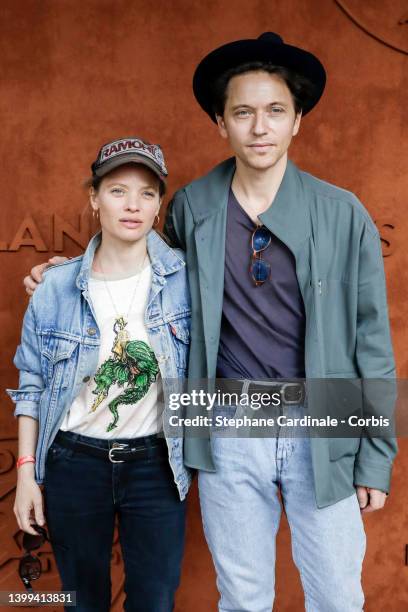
(75, 74)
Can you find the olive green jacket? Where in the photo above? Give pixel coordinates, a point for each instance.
(340, 272)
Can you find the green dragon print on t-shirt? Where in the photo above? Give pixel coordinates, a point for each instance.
(133, 363)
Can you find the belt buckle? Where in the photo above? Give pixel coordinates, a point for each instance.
(116, 446)
(288, 401)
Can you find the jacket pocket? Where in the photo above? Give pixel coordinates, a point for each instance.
(343, 447)
(342, 374)
(180, 338)
(341, 393)
(57, 358)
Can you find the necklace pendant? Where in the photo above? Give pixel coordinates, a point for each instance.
(121, 337)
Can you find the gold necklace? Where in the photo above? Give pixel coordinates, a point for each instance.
(121, 319)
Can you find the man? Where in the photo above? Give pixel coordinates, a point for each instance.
(313, 304)
(287, 281)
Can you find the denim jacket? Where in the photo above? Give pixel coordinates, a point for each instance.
(60, 342)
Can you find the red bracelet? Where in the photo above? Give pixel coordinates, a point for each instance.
(26, 459)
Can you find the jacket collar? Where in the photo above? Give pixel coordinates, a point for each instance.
(163, 259)
(209, 194)
(288, 217)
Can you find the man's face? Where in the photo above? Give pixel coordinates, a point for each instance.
(259, 119)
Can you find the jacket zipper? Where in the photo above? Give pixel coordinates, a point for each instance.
(319, 284)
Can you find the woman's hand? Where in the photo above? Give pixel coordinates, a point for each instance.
(28, 505)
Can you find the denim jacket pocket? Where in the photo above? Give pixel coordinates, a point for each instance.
(180, 335)
(57, 357)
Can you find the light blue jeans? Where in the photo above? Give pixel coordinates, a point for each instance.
(241, 513)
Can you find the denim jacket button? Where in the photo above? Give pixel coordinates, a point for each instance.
(86, 379)
(91, 331)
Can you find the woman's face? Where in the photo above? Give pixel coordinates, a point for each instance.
(128, 199)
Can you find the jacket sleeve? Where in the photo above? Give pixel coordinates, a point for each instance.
(27, 359)
(174, 222)
(376, 365)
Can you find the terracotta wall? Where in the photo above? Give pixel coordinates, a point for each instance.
(75, 74)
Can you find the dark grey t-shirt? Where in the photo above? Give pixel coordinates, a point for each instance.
(263, 328)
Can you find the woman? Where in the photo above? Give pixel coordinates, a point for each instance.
(101, 335)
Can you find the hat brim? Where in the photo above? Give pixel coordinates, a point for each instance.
(128, 158)
(240, 52)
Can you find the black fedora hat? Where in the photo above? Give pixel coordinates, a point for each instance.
(269, 47)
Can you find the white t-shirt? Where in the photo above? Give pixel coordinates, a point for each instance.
(121, 398)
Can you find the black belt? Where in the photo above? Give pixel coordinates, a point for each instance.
(291, 393)
(114, 450)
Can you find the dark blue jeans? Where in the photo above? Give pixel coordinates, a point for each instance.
(83, 494)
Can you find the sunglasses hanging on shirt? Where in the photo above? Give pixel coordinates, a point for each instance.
(260, 269)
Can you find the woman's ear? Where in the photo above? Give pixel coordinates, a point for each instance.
(93, 199)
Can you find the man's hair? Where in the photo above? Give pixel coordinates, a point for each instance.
(299, 86)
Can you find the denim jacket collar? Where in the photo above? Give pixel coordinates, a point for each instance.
(163, 259)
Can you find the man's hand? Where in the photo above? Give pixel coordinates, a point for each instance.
(36, 275)
(370, 499)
